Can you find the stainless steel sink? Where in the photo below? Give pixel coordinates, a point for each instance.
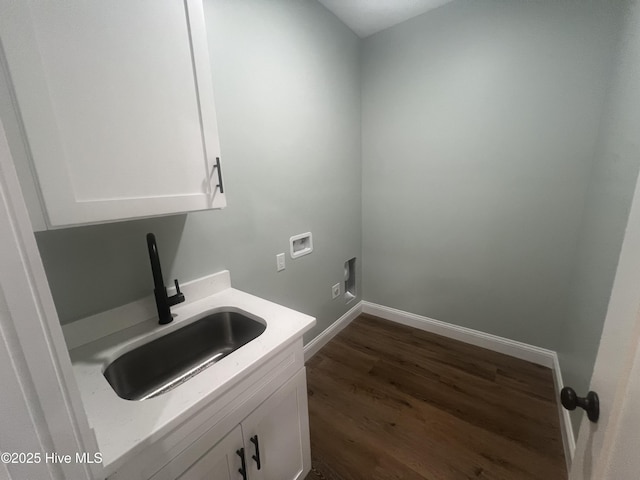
(162, 364)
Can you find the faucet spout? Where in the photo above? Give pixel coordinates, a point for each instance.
(163, 301)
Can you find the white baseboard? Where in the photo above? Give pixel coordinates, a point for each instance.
(523, 351)
(311, 348)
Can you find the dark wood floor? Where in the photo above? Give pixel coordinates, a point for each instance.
(392, 402)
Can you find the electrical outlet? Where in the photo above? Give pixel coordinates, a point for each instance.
(335, 291)
(280, 265)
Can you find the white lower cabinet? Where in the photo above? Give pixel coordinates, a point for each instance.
(221, 462)
(271, 443)
(277, 433)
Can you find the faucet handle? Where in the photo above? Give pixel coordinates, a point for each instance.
(178, 297)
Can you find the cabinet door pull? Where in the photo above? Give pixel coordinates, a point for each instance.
(219, 174)
(256, 457)
(243, 470)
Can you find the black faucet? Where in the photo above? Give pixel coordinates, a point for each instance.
(163, 302)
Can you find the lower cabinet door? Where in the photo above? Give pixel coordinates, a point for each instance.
(221, 462)
(276, 434)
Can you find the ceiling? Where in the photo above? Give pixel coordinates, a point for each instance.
(366, 17)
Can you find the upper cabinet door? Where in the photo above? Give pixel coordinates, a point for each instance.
(116, 100)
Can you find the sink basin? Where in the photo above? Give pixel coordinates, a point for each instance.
(162, 364)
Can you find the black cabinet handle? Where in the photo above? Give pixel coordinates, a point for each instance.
(219, 174)
(256, 457)
(590, 403)
(243, 470)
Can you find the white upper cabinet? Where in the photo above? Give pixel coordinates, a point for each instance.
(116, 103)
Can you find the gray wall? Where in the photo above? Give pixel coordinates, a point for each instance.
(286, 78)
(481, 202)
(605, 217)
(479, 127)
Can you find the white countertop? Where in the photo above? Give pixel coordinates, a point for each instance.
(124, 427)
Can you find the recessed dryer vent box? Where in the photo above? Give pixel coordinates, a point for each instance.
(301, 244)
(350, 280)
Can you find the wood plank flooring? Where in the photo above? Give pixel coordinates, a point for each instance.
(391, 402)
